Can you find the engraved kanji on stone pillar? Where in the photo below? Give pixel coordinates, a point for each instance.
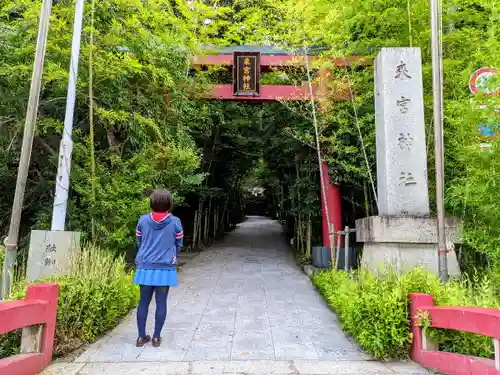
(400, 129)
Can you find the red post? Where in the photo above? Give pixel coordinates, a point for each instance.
(39, 309)
(334, 202)
(324, 197)
(477, 320)
(335, 210)
(48, 293)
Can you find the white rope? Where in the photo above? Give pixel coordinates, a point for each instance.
(356, 118)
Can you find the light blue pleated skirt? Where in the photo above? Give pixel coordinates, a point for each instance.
(156, 277)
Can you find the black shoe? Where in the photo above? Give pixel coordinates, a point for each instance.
(141, 341)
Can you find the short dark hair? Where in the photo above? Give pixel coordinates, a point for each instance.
(161, 200)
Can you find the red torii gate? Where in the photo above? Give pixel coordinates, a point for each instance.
(321, 91)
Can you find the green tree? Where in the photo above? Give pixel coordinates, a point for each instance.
(141, 52)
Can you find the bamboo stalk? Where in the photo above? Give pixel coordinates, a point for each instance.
(367, 201)
(309, 235)
(299, 217)
(346, 248)
(217, 218)
(337, 251)
(309, 222)
(195, 229)
(205, 225)
(207, 221)
(91, 120)
(299, 235)
(281, 201)
(200, 224)
(224, 214)
(295, 231)
(209, 216)
(216, 212)
(331, 235)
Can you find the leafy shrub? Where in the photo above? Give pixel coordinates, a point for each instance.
(375, 311)
(93, 299)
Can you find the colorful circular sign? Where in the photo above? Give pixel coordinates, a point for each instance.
(487, 131)
(480, 81)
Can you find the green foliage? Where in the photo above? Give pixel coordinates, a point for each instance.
(375, 311)
(121, 190)
(471, 40)
(93, 299)
(479, 291)
(149, 132)
(140, 53)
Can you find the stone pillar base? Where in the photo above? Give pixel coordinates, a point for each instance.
(405, 242)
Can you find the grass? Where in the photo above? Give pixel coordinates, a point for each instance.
(94, 296)
(375, 311)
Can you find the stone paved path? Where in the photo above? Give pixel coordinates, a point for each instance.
(243, 307)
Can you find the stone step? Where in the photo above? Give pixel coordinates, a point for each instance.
(247, 367)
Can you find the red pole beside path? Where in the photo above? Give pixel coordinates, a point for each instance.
(334, 201)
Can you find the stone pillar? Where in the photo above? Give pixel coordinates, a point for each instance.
(403, 235)
(400, 129)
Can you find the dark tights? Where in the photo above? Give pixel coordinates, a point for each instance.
(161, 294)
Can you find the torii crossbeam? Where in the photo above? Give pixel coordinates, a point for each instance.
(271, 59)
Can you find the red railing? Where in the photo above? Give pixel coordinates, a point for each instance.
(468, 319)
(37, 316)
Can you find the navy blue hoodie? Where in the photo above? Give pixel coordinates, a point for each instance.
(159, 242)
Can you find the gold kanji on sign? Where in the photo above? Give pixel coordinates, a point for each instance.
(246, 73)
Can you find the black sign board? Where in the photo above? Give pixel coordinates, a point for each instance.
(246, 73)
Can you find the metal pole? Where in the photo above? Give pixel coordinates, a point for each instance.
(64, 167)
(24, 160)
(437, 86)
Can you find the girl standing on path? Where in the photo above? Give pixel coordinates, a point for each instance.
(159, 240)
